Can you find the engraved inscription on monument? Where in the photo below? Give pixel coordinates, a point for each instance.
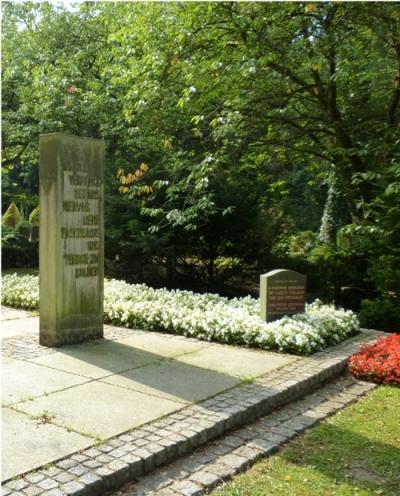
(71, 239)
(282, 292)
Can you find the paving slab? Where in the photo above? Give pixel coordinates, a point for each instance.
(28, 444)
(99, 409)
(163, 345)
(132, 453)
(8, 313)
(7, 333)
(21, 380)
(5, 360)
(236, 362)
(174, 380)
(98, 359)
(21, 325)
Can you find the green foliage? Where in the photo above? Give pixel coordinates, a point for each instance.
(297, 245)
(382, 313)
(385, 272)
(34, 217)
(243, 113)
(18, 251)
(12, 217)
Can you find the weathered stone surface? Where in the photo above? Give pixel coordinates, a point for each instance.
(206, 479)
(174, 380)
(236, 362)
(67, 464)
(78, 470)
(9, 313)
(71, 239)
(235, 462)
(64, 477)
(282, 292)
(222, 471)
(72, 488)
(42, 443)
(97, 359)
(85, 409)
(51, 471)
(19, 325)
(167, 346)
(17, 484)
(187, 488)
(248, 452)
(47, 484)
(180, 427)
(21, 380)
(266, 447)
(30, 491)
(54, 492)
(34, 477)
(90, 478)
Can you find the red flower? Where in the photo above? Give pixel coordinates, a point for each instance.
(378, 362)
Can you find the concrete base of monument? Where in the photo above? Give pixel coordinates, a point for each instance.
(51, 338)
(93, 415)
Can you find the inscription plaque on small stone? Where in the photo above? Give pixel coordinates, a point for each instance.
(71, 246)
(282, 292)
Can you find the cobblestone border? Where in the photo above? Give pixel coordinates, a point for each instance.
(118, 460)
(231, 454)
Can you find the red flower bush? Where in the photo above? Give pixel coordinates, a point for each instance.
(378, 362)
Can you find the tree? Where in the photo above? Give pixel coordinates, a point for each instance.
(223, 121)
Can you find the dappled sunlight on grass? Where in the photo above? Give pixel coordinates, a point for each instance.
(356, 452)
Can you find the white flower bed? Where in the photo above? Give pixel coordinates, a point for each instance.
(204, 316)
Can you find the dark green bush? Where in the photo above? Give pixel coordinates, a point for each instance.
(382, 314)
(18, 251)
(385, 272)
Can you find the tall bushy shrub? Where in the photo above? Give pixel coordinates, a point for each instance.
(12, 217)
(34, 217)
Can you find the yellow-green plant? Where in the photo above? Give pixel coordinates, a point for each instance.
(12, 217)
(34, 217)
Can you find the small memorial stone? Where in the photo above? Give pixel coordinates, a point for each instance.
(282, 292)
(71, 239)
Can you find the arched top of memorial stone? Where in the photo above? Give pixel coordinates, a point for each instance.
(282, 292)
(284, 274)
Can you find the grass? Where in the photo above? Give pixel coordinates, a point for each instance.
(44, 418)
(354, 453)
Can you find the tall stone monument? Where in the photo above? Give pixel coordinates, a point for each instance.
(282, 292)
(71, 246)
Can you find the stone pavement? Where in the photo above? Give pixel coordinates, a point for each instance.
(106, 412)
(59, 401)
(201, 471)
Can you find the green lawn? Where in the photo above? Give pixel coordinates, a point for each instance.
(355, 452)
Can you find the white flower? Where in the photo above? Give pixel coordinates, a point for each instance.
(206, 316)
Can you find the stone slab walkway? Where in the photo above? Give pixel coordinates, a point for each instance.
(57, 402)
(133, 430)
